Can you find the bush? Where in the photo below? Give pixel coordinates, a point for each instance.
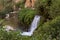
(55, 8)
(48, 8)
(11, 35)
(7, 7)
(26, 16)
(20, 4)
(50, 30)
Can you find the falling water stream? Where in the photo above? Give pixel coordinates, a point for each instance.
(33, 26)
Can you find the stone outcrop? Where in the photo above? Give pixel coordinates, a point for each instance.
(29, 3)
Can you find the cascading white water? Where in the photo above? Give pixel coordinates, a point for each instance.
(33, 26)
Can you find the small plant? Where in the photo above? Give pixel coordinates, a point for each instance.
(26, 16)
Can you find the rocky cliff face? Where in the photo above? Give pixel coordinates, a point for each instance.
(28, 3)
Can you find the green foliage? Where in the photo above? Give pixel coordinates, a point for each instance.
(7, 7)
(51, 29)
(48, 31)
(55, 8)
(48, 8)
(11, 35)
(20, 4)
(26, 16)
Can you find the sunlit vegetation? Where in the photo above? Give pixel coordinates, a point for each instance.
(48, 27)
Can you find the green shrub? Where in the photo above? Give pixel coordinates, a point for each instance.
(50, 30)
(26, 16)
(11, 35)
(6, 6)
(55, 8)
(48, 8)
(20, 4)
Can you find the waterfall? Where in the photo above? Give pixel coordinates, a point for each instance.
(33, 26)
